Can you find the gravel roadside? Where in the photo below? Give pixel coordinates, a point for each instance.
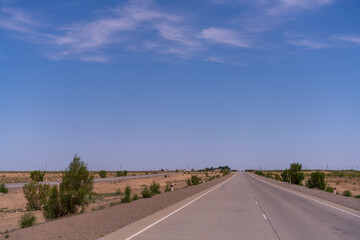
(93, 225)
(349, 202)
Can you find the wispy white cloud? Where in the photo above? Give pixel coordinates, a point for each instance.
(309, 42)
(225, 36)
(353, 39)
(282, 7)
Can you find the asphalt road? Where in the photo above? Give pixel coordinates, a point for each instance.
(18, 185)
(247, 208)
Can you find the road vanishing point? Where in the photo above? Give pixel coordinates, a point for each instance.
(246, 207)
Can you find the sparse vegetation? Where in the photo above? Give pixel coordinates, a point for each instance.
(135, 197)
(37, 176)
(316, 180)
(127, 197)
(347, 193)
(194, 180)
(3, 188)
(102, 174)
(35, 194)
(357, 196)
(329, 189)
(27, 220)
(155, 188)
(277, 177)
(146, 193)
(52, 208)
(121, 173)
(167, 187)
(260, 173)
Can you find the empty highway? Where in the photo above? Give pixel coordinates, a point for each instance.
(245, 207)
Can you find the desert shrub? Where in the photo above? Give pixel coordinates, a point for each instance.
(260, 173)
(52, 208)
(3, 188)
(102, 174)
(146, 193)
(121, 173)
(285, 175)
(127, 197)
(135, 197)
(277, 177)
(226, 172)
(195, 180)
(37, 176)
(269, 175)
(296, 174)
(168, 187)
(329, 189)
(27, 220)
(155, 188)
(347, 193)
(357, 196)
(316, 180)
(35, 194)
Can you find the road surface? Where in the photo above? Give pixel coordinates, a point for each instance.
(246, 207)
(18, 185)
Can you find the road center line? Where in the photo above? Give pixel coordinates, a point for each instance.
(153, 224)
(264, 216)
(292, 191)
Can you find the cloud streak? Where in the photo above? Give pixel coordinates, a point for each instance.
(225, 36)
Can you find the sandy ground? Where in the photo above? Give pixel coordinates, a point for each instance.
(13, 204)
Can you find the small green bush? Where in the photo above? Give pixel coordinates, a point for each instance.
(146, 193)
(269, 175)
(316, 180)
(102, 174)
(329, 189)
(27, 220)
(3, 188)
(52, 207)
(155, 188)
(285, 176)
(168, 187)
(295, 173)
(135, 197)
(277, 177)
(260, 173)
(194, 180)
(35, 193)
(121, 173)
(37, 176)
(357, 196)
(127, 197)
(347, 193)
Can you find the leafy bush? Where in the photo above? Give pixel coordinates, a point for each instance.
(260, 173)
(296, 174)
(357, 196)
(347, 193)
(155, 188)
(269, 175)
(127, 197)
(316, 180)
(3, 188)
(102, 174)
(121, 173)
(37, 176)
(194, 180)
(135, 197)
(329, 189)
(285, 175)
(27, 220)
(146, 193)
(277, 177)
(35, 194)
(52, 208)
(168, 187)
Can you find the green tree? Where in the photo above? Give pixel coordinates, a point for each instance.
(316, 180)
(37, 176)
(295, 173)
(52, 207)
(35, 194)
(102, 174)
(77, 183)
(285, 175)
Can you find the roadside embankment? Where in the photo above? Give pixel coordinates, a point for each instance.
(349, 202)
(93, 225)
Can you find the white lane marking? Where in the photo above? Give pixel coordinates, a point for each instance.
(264, 216)
(342, 210)
(153, 224)
(257, 203)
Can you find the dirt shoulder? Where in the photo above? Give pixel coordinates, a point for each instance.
(93, 225)
(349, 202)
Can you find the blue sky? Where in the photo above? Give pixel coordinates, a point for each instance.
(172, 84)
